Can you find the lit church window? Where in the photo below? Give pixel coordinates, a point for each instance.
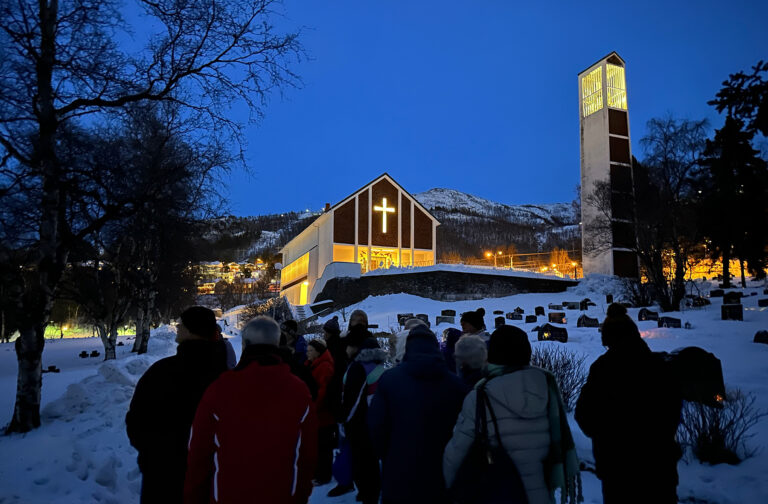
(616, 86)
(592, 91)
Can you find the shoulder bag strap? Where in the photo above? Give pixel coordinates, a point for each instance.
(493, 419)
(481, 423)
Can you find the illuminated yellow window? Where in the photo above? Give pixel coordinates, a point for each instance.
(362, 258)
(592, 91)
(296, 270)
(343, 253)
(423, 258)
(406, 258)
(616, 86)
(384, 258)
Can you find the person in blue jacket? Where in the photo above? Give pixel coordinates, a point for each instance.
(411, 419)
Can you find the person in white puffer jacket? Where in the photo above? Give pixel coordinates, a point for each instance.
(519, 396)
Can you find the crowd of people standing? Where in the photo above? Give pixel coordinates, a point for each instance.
(294, 413)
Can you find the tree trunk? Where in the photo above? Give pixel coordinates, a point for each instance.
(146, 319)
(743, 278)
(139, 330)
(29, 351)
(678, 282)
(108, 341)
(727, 267)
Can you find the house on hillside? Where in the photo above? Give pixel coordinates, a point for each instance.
(378, 226)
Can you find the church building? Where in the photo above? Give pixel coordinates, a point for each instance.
(378, 226)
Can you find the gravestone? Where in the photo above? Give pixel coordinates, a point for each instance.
(761, 337)
(440, 319)
(531, 319)
(762, 302)
(609, 298)
(83, 354)
(95, 353)
(557, 317)
(753, 293)
(585, 321)
(672, 322)
(448, 313)
(422, 316)
(499, 321)
(539, 310)
(696, 301)
(402, 317)
(519, 310)
(716, 293)
(515, 316)
(498, 312)
(688, 325)
(732, 312)
(571, 305)
(120, 343)
(585, 303)
(548, 332)
(646, 314)
(509, 315)
(765, 292)
(553, 306)
(732, 297)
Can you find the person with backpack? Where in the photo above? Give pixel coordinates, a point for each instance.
(630, 407)
(524, 413)
(360, 383)
(411, 419)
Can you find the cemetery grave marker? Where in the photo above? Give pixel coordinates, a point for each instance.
(519, 310)
(716, 293)
(448, 313)
(671, 322)
(571, 305)
(557, 317)
(585, 303)
(761, 337)
(553, 306)
(515, 316)
(440, 319)
(646, 314)
(548, 332)
(732, 312)
(421, 316)
(585, 321)
(609, 298)
(402, 317)
(499, 321)
(732, 298)
(539, 310)
(531, 319)
(83, 354)
(498, 312)
(95, 353)
(762, 302)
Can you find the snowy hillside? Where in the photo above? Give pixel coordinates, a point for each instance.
(81, 452)
(456, 202)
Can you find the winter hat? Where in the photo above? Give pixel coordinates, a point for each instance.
(474, 318)
(357, 335)
(413, 322)
(619, 331)
(358, 317)
(471, 351)
(420, 336)
(509, 346)
(290, 326)
(200, 321)
(261, 331)
(332, 326)
(318, 344)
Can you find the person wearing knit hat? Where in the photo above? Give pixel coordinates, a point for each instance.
(471, 355)
(411, 418)
(531, 420)
(631, 411)
(331, 327)
(472, 322)
(163, 405)
(320, 362)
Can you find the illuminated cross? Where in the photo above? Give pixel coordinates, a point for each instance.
(384, 209)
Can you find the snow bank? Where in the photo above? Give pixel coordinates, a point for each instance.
(462, 268)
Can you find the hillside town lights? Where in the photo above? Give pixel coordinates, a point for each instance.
(384, 209)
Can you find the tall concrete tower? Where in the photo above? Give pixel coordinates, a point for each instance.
(607, 231)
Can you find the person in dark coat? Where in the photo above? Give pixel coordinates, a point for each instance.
(319, 360)
(411, 419)
(164, 403)
(448, 346)
(254, 436)
(631, 411)
(360, 383)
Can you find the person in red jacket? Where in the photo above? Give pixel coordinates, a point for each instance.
(320, 361)
(254, 437)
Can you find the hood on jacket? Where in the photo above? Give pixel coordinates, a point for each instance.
(376, 355)
(524, 392)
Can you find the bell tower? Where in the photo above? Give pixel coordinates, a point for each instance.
(606, 162)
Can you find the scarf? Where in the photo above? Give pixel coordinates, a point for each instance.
(561, 467)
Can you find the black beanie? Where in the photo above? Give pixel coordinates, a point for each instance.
(619, 331)
(509, 346)
(200, 321)
(474, 318)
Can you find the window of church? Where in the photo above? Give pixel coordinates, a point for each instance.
(616, 86)
(406, 254)
(343, 253)
(592, 91)
(423, 258)
(296, 270)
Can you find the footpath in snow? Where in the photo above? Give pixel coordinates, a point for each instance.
(81, 453)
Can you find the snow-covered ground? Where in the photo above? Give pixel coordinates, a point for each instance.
(82, 454)
(464, 268)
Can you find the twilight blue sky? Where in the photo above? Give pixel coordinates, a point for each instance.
(479, 96)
